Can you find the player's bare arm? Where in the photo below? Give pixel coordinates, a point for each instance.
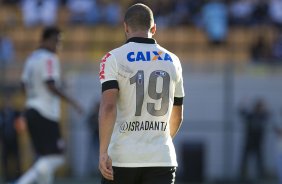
(55, 90)
(176, 119)
(107, 117)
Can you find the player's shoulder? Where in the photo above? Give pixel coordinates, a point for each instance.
(119, 50)
(50, 55)
(172, 55)
(43, 54)
(113, 54)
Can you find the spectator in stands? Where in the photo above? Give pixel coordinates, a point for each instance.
(174, 12)
(186, 12)
(109, 11)
(6, 49)
(275, 12)
(182, 13)
(241, 12)
(83, 12)
(93, 12)
(10, 160)
(40, 12)
(195, 8)
(215, 20)
(260, 51)
(260, 13)
(255, 121)
(163, 12)
(276, 49)
(10, 1)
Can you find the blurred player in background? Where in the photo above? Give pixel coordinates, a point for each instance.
(278, 132)
(9, 117)
(255, 121)
(141, 108)
(41, 81)
(92, 121)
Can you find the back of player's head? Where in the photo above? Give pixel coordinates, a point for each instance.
(139, 17)
(50, 32)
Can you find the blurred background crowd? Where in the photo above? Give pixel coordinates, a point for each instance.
(167, 12)
(231, 52)
(217, 20)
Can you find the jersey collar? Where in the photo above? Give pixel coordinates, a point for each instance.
(46, 49)
(141, 40)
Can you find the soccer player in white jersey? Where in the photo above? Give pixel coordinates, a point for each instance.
(141, 107)
(41, 81)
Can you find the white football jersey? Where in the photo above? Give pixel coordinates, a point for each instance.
(41, 66)
(149, 77)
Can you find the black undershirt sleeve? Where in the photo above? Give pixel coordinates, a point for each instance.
(178, 101)
(112, 84)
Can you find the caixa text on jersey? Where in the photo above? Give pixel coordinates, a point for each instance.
(148, 56)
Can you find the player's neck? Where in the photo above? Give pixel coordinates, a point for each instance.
(48, 45)
(142, 34)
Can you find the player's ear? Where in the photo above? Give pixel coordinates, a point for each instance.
(126, 30)
(153, 29)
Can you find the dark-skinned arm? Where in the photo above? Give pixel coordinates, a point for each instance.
(55, 90)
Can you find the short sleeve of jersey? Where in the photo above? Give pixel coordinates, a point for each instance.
(51, 69)
(108, 68)
(179, 88)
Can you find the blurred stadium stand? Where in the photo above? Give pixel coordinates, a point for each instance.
(205, 66)
(84, 43)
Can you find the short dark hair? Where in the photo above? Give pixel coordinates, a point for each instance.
(139, 17)
(49, 32)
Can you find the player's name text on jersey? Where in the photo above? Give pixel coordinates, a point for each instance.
(143, 126)
(148, 56)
